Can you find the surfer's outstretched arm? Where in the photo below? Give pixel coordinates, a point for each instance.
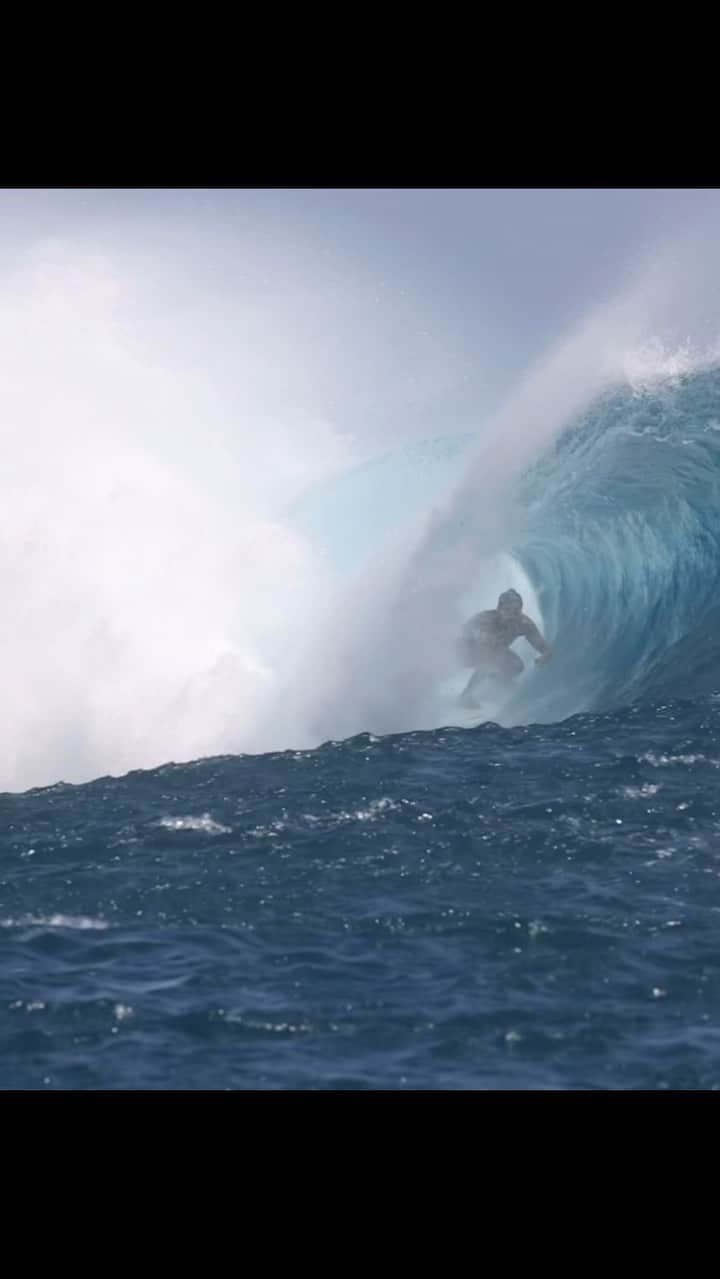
(533, 636)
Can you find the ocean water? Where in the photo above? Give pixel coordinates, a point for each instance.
(527, 904)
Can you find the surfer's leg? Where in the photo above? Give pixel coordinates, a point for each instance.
(466, 698)
(512, 665)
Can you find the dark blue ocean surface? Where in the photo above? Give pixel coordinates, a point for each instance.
(535, 907)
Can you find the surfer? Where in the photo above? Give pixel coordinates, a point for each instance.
(486, 639)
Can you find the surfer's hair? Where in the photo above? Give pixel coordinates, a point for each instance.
(510, 597)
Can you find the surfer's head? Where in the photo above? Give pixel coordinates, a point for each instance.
(510, 602)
